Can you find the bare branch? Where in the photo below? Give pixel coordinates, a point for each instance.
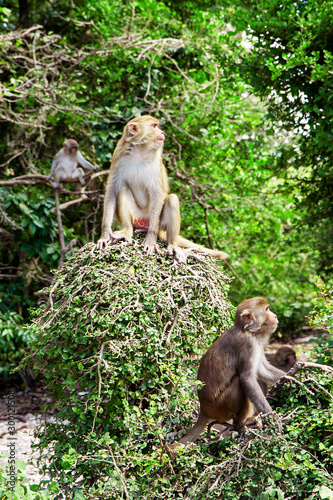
(63, 248)
(26, 180)
(300, 365)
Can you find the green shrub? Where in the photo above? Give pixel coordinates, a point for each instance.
(22, 489)
(112, 344)
(322, 318)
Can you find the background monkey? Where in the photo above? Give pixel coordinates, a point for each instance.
(137, 192)
(284, 358)
(65, 165)
(235, 370)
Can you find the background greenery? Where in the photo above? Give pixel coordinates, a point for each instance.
(243, 91)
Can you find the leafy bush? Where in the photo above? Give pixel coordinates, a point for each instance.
(322, 318)
(23, 490)
(112, 344)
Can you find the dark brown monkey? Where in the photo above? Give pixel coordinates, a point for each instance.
(235, 370)
(137, 192)
(284, 358)
(65, 166)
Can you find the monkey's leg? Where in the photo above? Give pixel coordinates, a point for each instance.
(170, 221)
(197, 429)
(79, 174)
(223, 429)
(59, 176)
(244, 415)
(155, 207)
(124, 216)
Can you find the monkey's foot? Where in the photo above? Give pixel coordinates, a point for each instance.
(179, 254)
(86, 180)
(121, 235)
(150, 249)
(150, 245)
(222, 428)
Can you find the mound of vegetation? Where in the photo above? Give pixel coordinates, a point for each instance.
(114, 342)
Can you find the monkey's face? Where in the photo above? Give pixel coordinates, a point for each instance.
(158, 133)
(145, 131)
(70, 147)
(271, 321)
(291, 359)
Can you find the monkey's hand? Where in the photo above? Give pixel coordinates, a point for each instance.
(96, 169)
(149, 244)
(102, 243)
(179, 254)
(49, 177)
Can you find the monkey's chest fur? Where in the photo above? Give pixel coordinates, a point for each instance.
(68, 164)
(140, 189)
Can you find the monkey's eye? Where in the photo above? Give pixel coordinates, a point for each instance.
(267, 308)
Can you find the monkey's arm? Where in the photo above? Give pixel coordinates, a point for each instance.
(156, 203)
(108, 215)
(85, 163)
(253, 391)
(54, 166)
(268, 372)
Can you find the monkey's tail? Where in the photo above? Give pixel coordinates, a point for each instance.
(216, 254)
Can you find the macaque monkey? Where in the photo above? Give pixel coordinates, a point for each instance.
(284, 358)
(65, 165)
(235, 370)
(137, 193)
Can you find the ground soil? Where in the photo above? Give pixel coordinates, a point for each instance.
(29, 400)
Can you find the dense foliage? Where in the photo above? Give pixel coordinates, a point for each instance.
(322, 317)
(112, 344)
(226, 152)
(290, 65)
(243, 92)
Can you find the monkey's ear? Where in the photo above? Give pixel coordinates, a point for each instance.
(133, 128)
(247, 317)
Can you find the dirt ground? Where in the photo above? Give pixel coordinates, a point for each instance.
(27, 417)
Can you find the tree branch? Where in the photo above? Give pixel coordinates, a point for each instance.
(300, 365)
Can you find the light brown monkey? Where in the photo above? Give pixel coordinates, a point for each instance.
(284, 358)
(65, 165)
(137, 192)
(235, 370)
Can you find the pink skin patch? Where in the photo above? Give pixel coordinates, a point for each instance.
(141, 223)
